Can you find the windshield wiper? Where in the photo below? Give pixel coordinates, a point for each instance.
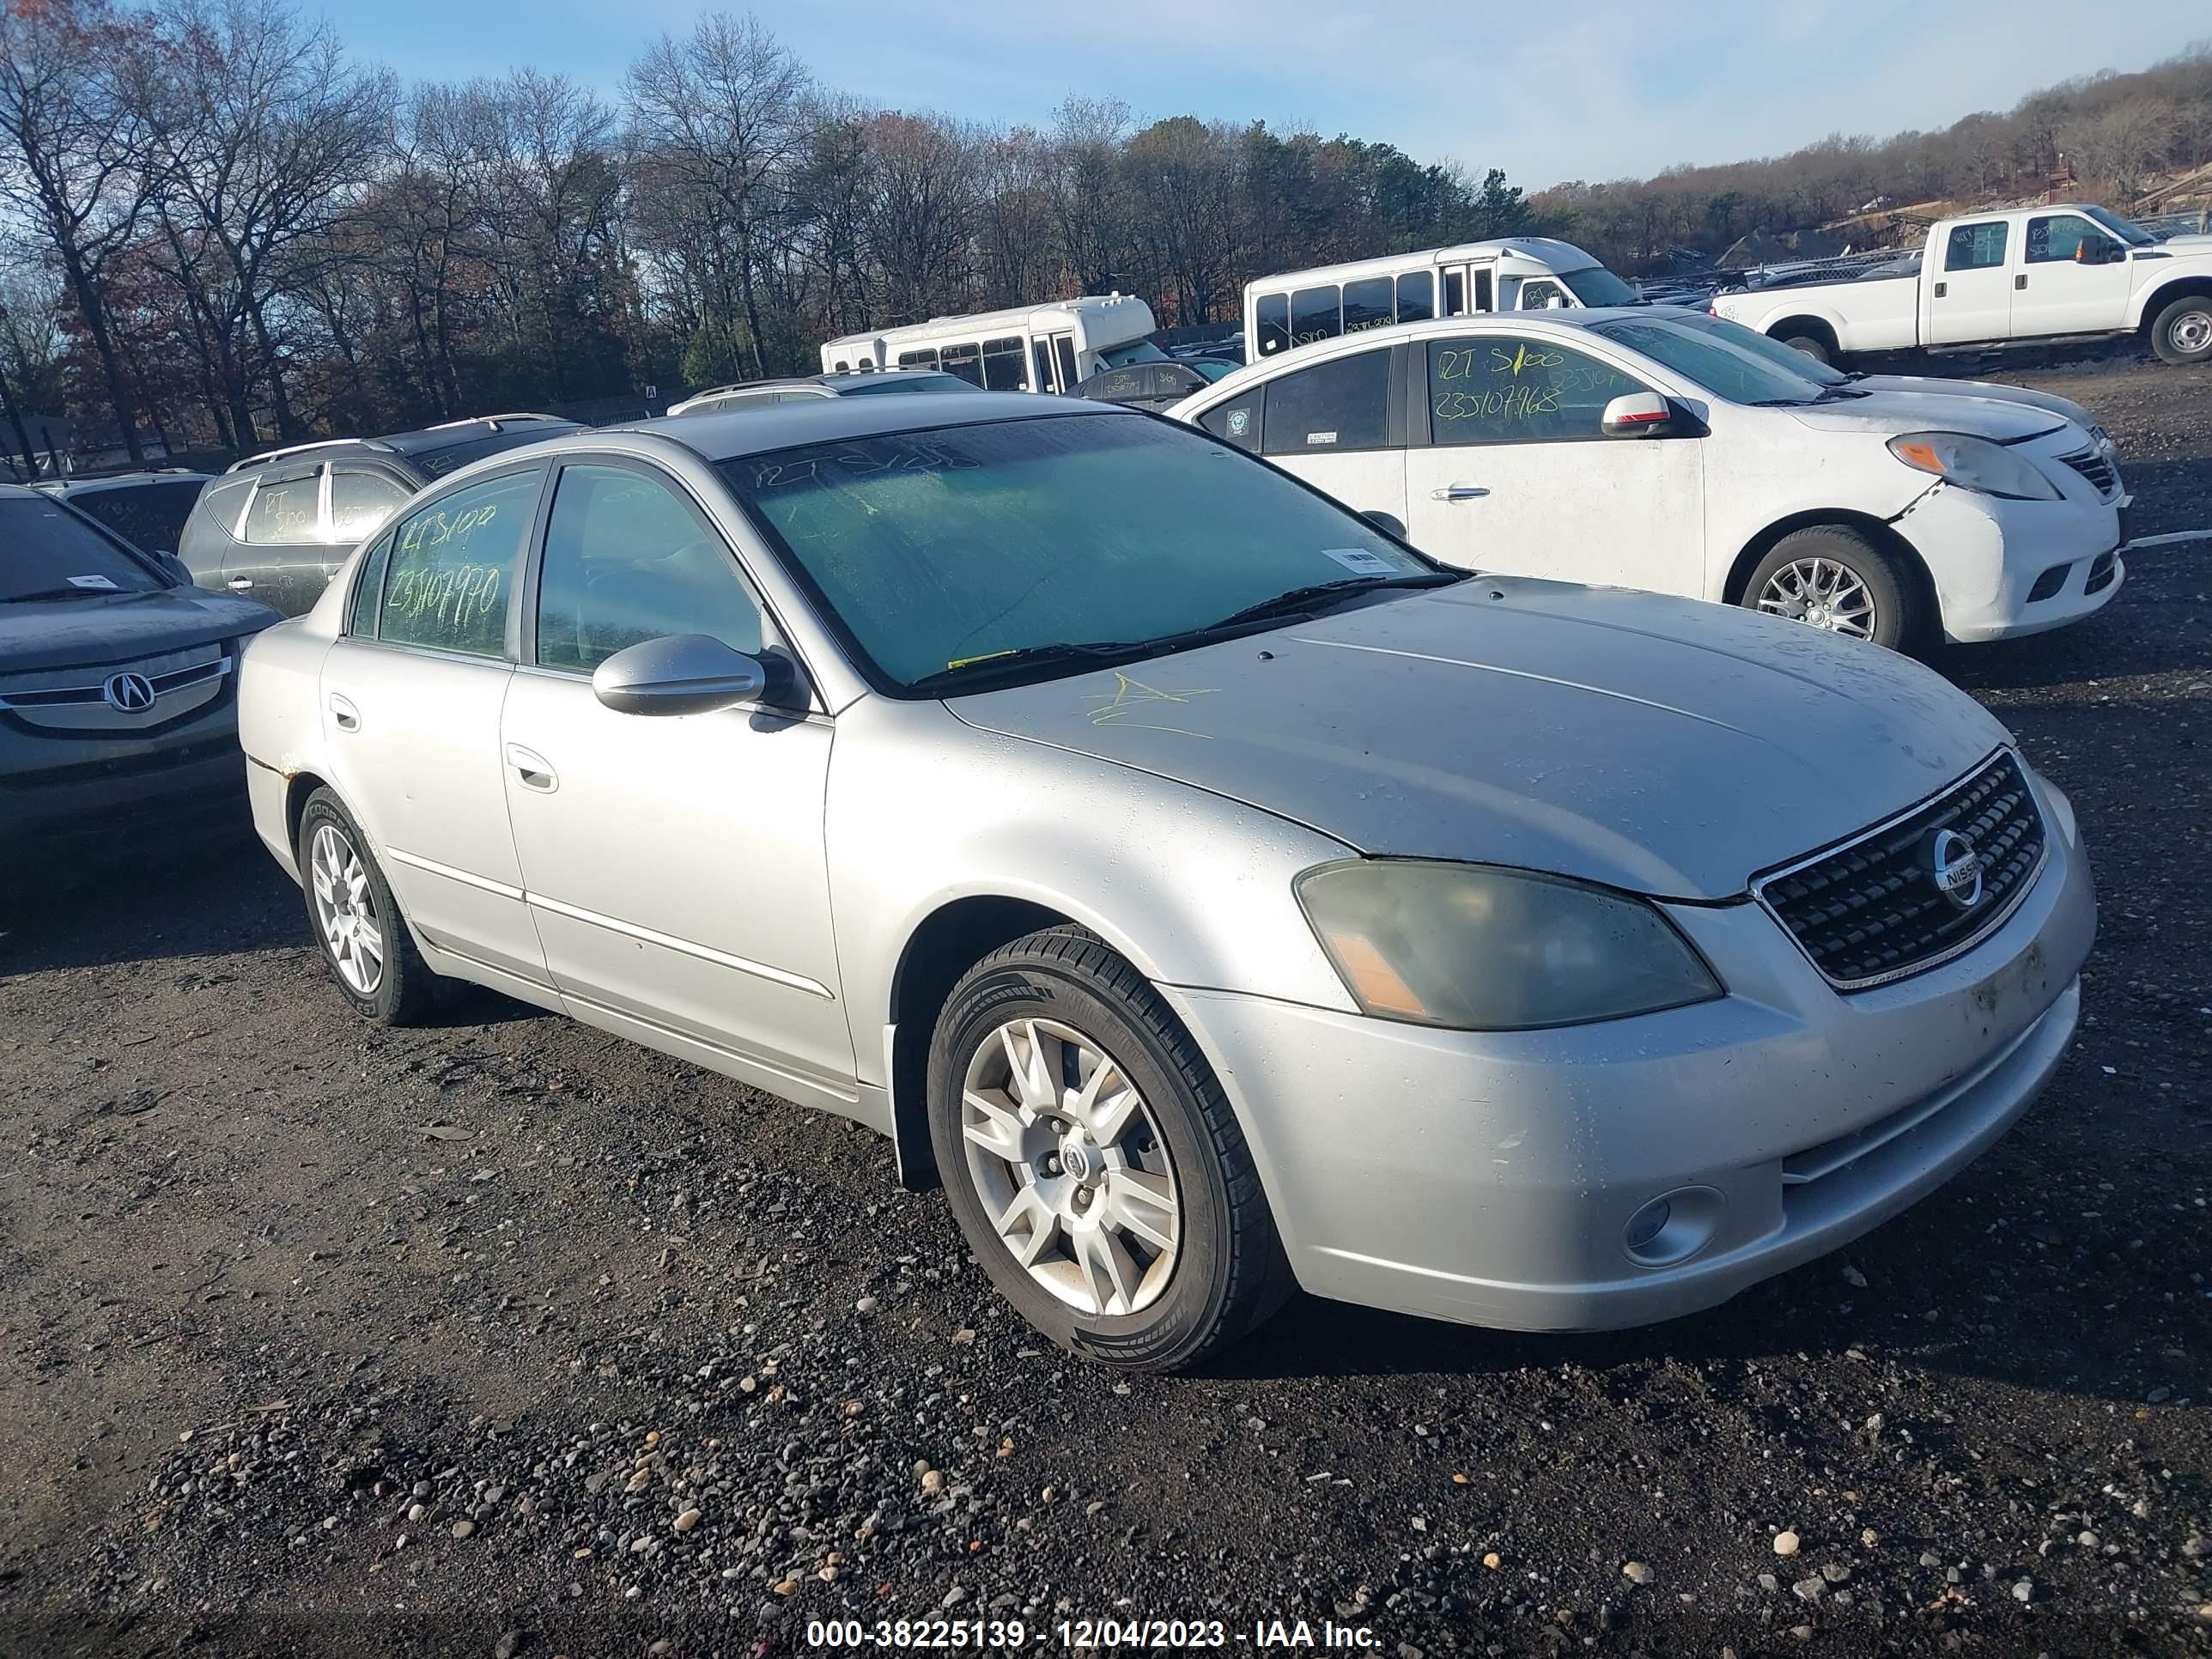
(1026, 656)
(1305, 599)
(1840, 394)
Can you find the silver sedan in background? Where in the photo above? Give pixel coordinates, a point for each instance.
(1214, 894)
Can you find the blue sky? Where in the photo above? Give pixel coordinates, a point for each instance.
(1548, 89)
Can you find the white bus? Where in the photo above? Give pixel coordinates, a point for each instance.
(1517, 273)
(1040, 348)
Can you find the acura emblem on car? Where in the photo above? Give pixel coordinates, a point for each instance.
(132, 694)
(1957, 868)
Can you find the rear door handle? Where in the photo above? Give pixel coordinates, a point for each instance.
(2020, 281)
(535, 772)
(241, 584)
(1941, 288)
(1458, 493)
(344, 712)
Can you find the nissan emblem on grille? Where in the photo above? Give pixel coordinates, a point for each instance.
(130, 694)
(1957, 867)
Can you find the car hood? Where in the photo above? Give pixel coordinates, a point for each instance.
(1663, 747)
(1924, 386)
(113, 628)
(1914, 411)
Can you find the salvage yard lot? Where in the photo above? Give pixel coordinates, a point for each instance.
(508, 1336)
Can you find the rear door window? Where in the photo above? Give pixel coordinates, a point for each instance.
(286, 513)
(1975, 248)
(1344, 403)
(360, 501)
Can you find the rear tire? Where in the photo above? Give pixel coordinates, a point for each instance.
(1813, 346)
(365, 940)
(1835, 577)
(1135, 1201)
(2183, 333)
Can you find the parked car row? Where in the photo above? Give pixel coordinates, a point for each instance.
(1212, 891)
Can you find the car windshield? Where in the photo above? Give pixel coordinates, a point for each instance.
(1788, 358)
(150, 516)
(1723, 369)
(939, 548)
(1599, 286)
(47, 552)
(2126, 229)
(437, 463)
(1137, 351)
(906, 383)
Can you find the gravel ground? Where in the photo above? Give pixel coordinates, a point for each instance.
(507, 1337)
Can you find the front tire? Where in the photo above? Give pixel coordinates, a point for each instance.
(365, 941)
(1836, 578)
(1093, 1162)
(2183, 333)
(1813, 346)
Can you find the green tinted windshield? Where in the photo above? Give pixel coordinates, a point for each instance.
(47, 552)
(941, 548)
(1725, 370)
(1599, 286)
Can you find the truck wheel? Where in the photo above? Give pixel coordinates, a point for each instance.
(1833, 577)
(1092, 1161)
(2182, 332)
(1812, 345)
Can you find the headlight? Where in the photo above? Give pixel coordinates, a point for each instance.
(1476, 948)
(1974, 463)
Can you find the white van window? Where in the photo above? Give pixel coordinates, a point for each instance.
(1344, 403)
(966, 361)
(842, 366)
(1063, 346)
(1455, 295)
(925, 359)
(1417, 296)
(1002, 364)
(1367, 304)
(1316, 314)
(1043, 352)
(1274, 311)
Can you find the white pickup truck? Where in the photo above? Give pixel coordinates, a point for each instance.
(1989, 278)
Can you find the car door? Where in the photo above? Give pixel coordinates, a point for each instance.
(1969, 294)
(1330, 424)
(674, 863)
(2074, 278)
(411, 695)
(1509, 469)
(279, 554)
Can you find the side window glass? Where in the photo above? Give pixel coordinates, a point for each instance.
(1366, 304)
(1482, 290)
(359, 502)
(1417, 296)
(452, 568)
(1975, 248)
(1042, 351)
(1455, 295)
(1342, 404)
(1063, 348)
(628, 560)
(1002, 364)
(1274, 315)
(219, 504)
(1118, 383)
(925, 359)
(286, 514)
(1316, 314)
(1498, 390)
(369, 590)
(2053, 238)
(1541, 295)
(1238, 420)
(966, 361)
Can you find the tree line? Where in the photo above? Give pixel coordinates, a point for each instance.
(219, 231)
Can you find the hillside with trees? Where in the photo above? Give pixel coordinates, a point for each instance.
(218, 230)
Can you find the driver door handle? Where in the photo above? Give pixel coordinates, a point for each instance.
(1458, 493)
(343, 711)
(535, 772)
(241, 584)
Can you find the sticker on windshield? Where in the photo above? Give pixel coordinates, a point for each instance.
(1359, 560)
(100, 582)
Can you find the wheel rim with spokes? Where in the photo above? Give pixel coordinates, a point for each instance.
(345, 909)
(2191, 330)
(1070, 1167)
(1822, 593)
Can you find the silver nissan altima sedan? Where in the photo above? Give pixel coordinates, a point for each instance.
(1212, 893)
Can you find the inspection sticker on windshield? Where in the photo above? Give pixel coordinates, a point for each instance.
(1359, 560)
(100, 582)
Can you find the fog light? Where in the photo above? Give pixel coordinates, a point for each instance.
(1673, 1227)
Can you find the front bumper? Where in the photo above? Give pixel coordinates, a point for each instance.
(78, 797)
(1986, 556)
(1489, 1178)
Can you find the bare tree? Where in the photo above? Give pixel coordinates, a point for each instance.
(923, 180)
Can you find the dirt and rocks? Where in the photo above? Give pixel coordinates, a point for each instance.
(505, 1338)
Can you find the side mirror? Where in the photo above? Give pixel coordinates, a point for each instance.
(1639, 415)
(678, 674)
(1389, 523)
(175, 566)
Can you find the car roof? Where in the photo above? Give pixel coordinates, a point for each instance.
(66, 487)
(725, 435)
(424, 440)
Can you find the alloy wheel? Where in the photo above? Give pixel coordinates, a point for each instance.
(1070, 1167)
(1822, 593)
(345, 910)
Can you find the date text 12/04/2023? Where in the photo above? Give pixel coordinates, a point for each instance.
(998, 1635)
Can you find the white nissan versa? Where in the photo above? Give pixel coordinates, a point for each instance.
(1213, 892)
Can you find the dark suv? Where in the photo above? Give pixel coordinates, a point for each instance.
(147, 509)
(276, 527)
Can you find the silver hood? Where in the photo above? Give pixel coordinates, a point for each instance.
(1663, 746)
(1892, 412)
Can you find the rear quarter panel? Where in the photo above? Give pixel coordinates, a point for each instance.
(279, 725)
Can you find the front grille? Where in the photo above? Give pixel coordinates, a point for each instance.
(2101, 573)
(1869, 910)
(2091, 464)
